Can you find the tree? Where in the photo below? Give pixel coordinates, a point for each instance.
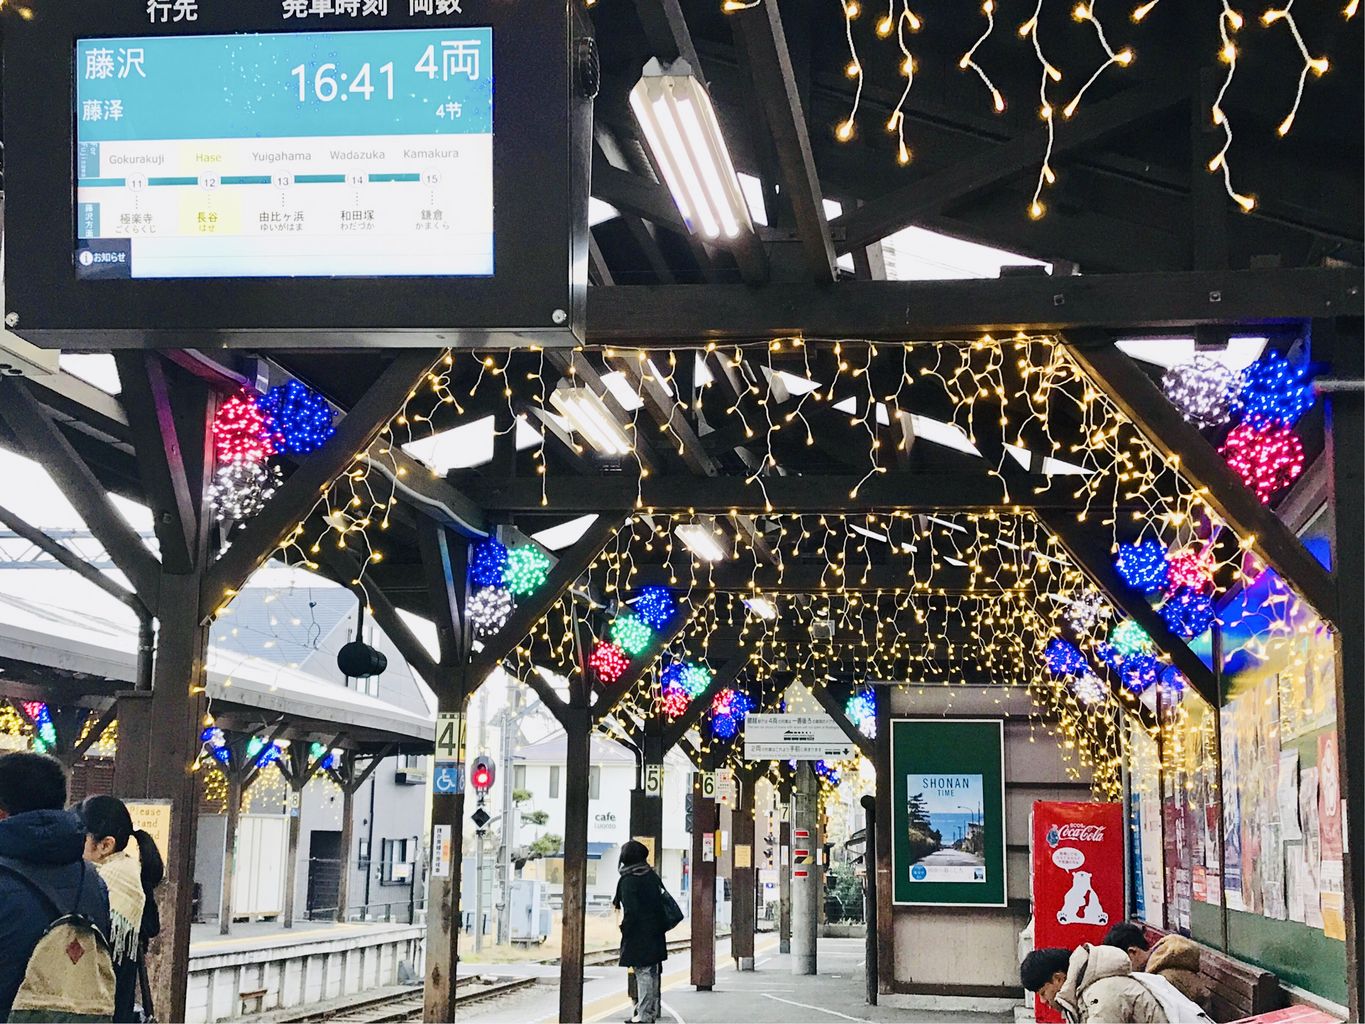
(546, 846)
(521, 796)
(535, 817)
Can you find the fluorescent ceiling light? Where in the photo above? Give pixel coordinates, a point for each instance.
(466, 446)
(954, 561)
(96, 369)
(621, 390)
(752, 188)
(914, 254)
(684, 136)
(763, 607)
(869, 533)
(557, 538)
(850, 406)
(600, 212)
(704, 541)
(947, 434)
(947, 524)
(701, 373)
(1051, 466)
(796, 386)
(1167, 352)
(589, 416)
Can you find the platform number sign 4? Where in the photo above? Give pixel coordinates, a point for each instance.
(449, 730)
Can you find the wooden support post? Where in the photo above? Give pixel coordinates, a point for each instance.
(705, 821)
(1342, 342)
(870, 958)
(880, 857)
(577, 722)
(347, 841)
(743, 912)
(234, 818)
(784, 879)
(443, 891)
(647, 812)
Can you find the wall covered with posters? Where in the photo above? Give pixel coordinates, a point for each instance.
(1280, 870)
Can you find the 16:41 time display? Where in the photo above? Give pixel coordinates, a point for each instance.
(328, 84)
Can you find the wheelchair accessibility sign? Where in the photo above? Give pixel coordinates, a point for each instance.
(448, 778)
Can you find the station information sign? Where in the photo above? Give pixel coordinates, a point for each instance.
(320, 154)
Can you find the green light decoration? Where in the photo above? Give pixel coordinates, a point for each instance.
(1128, 638)
(527, 568)
(631, 634)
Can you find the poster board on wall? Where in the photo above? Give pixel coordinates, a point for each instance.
(948, 812)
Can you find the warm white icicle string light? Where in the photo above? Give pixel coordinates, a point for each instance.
(731, 6)
(1229, 21)
(906, 21)
(1349, 11)
(1085, 11)
(1029, 29)
(968, 59)
(1142, 10)
(1317, 65)
(853, 70)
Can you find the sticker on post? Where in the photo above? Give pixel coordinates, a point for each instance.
(440, 851)
(708, 847)
(448, 778)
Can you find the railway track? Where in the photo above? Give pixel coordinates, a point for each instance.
(404, 1006)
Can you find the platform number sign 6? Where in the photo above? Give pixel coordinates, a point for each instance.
(449, 727)
(708, 785)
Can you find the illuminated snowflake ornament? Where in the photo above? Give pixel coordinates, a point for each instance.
(862, 712)
(1063, 659)
(1087, 610)
(526, 570)
(487, 563)
(1089, 690)
(728, 709)
(1142, 566)
(241, 488)
(608, 661)
(1274, 393)
(1189, 613)
(1203, 390)
(1139, 672)
(655, 606)
(1192, 569)
(630, 634)
(301, 419)
(489, 609)
(1129, 639)
(1268, 458)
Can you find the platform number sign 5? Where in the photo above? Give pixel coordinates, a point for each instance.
(654, 780)
(449, 730)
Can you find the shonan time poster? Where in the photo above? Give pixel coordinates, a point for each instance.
(948, 812)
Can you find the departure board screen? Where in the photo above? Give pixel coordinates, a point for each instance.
(300, 154)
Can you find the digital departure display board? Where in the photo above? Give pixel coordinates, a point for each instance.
(336, 174)
(300, 154)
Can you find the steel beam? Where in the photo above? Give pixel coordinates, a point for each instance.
(897, 310)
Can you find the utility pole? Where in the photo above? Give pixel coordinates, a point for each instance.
(510, 720)
(806, 887)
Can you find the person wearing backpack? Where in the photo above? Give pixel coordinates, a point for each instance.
(54, 907)
(648, 912)
(131, 870)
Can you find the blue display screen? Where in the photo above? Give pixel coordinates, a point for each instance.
(301, 154)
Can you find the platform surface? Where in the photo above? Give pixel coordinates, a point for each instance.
(252, 935)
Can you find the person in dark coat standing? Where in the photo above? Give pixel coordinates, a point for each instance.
(45, 844)
(639, 897)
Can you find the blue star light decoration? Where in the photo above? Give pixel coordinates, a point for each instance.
(1274, 392)
(1173, 681)
(862, 712)
(1189, 613)
(487, 563)
(300, 418)
(655, 606)
(1142, 566)
(1063, 659)
(1139, 672)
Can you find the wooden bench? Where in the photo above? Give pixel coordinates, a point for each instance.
(1237, 989)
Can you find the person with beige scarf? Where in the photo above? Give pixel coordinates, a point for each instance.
(131, 870)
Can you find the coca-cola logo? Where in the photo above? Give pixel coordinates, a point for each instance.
(1078, 833)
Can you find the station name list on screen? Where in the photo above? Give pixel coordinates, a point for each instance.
(319, 154)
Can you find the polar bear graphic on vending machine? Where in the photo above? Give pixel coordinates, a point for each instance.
(1082, 905)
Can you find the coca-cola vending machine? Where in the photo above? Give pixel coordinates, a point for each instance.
(1077, 876)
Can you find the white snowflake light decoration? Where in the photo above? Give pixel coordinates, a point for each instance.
(241, 488)
(1089, 690)
(1203, 390)
(489, 609)
(1087, 611)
